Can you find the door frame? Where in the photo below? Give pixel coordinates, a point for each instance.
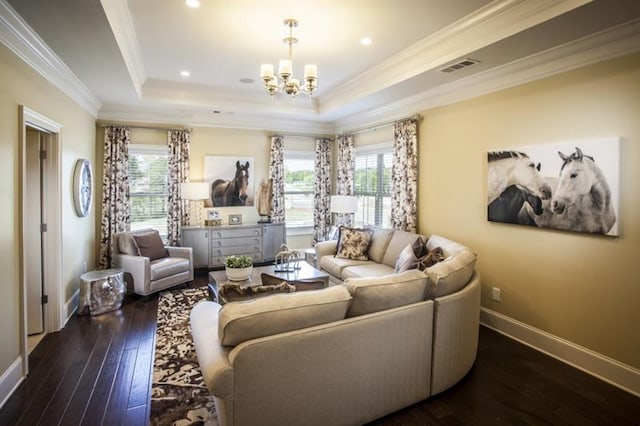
(52, 238)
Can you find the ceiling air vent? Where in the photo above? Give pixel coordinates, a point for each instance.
(459, 65)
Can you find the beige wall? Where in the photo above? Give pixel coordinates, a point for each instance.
(579, 287)
(20, 85)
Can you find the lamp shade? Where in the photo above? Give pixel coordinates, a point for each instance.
(344, 204)
(194, 190)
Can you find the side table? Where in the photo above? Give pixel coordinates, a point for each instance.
(101, 291)
(310, 257)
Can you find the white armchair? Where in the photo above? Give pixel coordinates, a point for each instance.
(148, 265)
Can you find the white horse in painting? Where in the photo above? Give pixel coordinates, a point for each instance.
(582, 198)
(508, 168)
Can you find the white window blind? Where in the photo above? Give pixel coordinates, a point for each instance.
(148, 187)
(299, 177)
(372, 185)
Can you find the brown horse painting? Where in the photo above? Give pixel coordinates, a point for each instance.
(231, 192)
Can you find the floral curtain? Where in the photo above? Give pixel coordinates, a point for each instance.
(345, 169)
(116, 207)
(179, 141)
(404, 175)
(276, 172)
(322, 190)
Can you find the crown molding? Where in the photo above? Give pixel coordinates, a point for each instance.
(489, 24)
(22, 40)
(121, 22)
(204, 118)
(615, 42)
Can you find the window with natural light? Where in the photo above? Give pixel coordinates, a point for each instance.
(299, 177)
(148, 187)
(372, 185)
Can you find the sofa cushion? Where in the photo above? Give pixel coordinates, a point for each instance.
(454, 272)
(406, 260)
(369, 269)
(242, 321)
(398, 242)
(379, 243)
(354, 243)
(335, 265)
(127, 245)
(167, 266)
(151, 245)
(373, 294)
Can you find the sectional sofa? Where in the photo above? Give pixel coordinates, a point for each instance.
(343, 355)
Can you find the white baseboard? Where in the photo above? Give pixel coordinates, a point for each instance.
(71, 306)
(611, 371)
(10, 380)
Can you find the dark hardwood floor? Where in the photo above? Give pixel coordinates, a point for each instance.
(97, 371)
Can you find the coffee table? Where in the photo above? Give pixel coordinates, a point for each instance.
(298, 278)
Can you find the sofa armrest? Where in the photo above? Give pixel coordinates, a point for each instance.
(325, 248)
(137, 267)
(212, 356)
(456, 322)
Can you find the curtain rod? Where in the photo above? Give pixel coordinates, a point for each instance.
(145, 127)
(416, 117)
(299, 135)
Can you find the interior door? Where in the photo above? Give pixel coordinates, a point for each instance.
(33, 218)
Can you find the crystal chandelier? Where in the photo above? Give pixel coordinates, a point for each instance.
(289, 85)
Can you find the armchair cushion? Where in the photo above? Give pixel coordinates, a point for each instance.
(151, 245)
(167, 266)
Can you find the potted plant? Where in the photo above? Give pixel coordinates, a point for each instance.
(238, 268)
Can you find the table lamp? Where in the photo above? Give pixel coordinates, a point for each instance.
(342, 204)
(195, 192)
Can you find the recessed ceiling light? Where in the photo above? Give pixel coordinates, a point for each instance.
(185, 73)
(246, 80)
(366, 41)
(192, 3)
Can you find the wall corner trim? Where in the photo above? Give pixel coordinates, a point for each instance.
(604, 368)
(10, 380)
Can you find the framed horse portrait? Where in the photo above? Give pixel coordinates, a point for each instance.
(230, 181)
(572, 186)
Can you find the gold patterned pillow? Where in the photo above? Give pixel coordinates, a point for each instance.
(354, 243)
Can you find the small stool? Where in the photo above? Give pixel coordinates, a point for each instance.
(101, 291)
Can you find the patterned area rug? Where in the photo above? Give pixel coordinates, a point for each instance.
(178, 393)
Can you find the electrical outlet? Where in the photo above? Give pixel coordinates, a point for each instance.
(496, 294)
(84, 266)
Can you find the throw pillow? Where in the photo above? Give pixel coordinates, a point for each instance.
(406, 260)
(127, 245)
(419, 248)
(151, 245)
(434, 256)
(354, 243)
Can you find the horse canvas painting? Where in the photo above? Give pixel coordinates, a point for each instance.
(230, 181)
(573, 186)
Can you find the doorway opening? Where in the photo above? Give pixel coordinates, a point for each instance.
(41, 296)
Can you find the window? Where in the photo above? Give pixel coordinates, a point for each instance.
(372, 185)
(299, 177)
(148, 187)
